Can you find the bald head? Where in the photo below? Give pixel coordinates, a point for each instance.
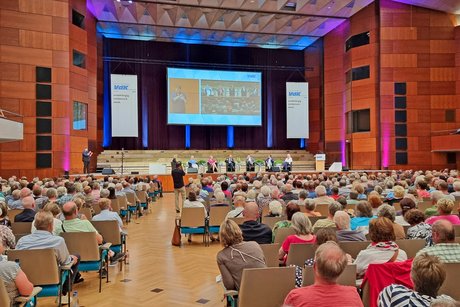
(28, 202)
(330, 261)
(69, 210)
(25, 192)
(251, 211)
(443, 232)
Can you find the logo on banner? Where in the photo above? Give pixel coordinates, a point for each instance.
(294, 93)
(120, 87)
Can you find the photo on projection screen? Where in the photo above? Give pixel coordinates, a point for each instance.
(214, 97)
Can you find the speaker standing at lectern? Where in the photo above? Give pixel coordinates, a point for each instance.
(86, 158)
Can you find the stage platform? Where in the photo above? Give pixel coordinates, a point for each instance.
(168, 185)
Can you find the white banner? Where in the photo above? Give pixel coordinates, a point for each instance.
(297, 110)
(124, 105)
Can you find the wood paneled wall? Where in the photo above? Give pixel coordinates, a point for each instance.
(40, 33)
(407, 44)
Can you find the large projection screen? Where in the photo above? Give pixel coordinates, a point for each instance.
(214, 97)
(124, 105)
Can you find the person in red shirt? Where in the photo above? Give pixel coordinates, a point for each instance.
(330, 261)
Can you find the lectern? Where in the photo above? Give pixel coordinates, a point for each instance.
(320, 162)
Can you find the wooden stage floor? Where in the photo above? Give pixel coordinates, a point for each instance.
(159, 274)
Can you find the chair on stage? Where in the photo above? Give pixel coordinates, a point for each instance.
(287, 167)
(212, 169)
(230, 167)
(250, 167)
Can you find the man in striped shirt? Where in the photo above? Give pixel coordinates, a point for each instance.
(428, 275)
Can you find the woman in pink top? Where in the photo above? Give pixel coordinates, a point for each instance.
(445, 208)
(302, 227)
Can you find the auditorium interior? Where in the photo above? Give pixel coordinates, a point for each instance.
(164, 99)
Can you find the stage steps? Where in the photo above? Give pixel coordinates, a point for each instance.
(137, 161)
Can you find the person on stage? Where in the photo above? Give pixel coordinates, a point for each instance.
(287, 163)
(269, 163)
(249, 163)
(192, 162)
(212, 163)
(86, 158)
(230, 164)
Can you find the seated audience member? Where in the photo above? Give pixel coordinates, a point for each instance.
(287, 164)
(192, 162)
(303, 234)
(40, 199)
(237, 255)
(73, 224)
(375, 201)
(321, 196)
(291, 208)
(230, 163)
(329, 221)
(322, 236)
(390, 213)
(28, 214)
(444, 242)
(353, 198)
(344, 232)
(418, 228)
(15, 201)
(422, 189)
(212, 164)
(238, 204)
(192, 202)
(252, 229)
(264, 198)
(310, 207)
(43, 238)
(107, 214)
(7, 238)
(251, 196)
(4, 220)
(456, 187)
(224, 187)
(406, 204)
(335, 193)
(275, 209)
(16, 282)
(220, 199)
(445, 208)
(396, 196)
(363, 216)
(57, 223)
(435, 197)
(330, 262)
(382, 249)
(288, 194)
(427, 274)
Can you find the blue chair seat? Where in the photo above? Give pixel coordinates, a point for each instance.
(214, 229)
(52, 290)
(89, 266)
(192, 230)
(144, 205)
(116, 248)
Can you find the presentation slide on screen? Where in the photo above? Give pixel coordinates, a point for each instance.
(214, 97)
(124, 105)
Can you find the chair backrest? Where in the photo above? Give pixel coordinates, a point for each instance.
(406, 227)
(4, 298)
(270, 221)
(300, 252)
(411, 247)
(450, 285)
(86, 212)
(282, 233)
(109, 230)
(265, 287)
(131, 198)
(97, 209)
(217, 215)
(314, 219)
(265, 210)
(422, 206)
(238, 220)
(347, 278)
(40, 265)
(397, 206)
(20, 228)
(115, 204)
(12, 213)
(271, 254)
(142, 196)
(192, 217)
(122, 202)
(457, 230)
(353, 247)
(323, 209)
(83, 244)
(350, 207)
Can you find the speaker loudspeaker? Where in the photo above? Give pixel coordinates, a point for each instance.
(108, 171)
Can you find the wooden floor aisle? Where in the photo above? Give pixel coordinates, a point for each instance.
(159, 274)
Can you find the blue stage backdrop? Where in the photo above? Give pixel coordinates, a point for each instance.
(149, 60)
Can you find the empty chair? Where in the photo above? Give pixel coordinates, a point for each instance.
(92, 256)
(266, 287)
(122, 207)
(299, 253)
(42, 270)
(216, 217)
(271, 254)
(132, 203)
(143, 201)
(193, 222)
(282, 233)
(411, 247)
(270, 221)
(347, 278)
(353, 247)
